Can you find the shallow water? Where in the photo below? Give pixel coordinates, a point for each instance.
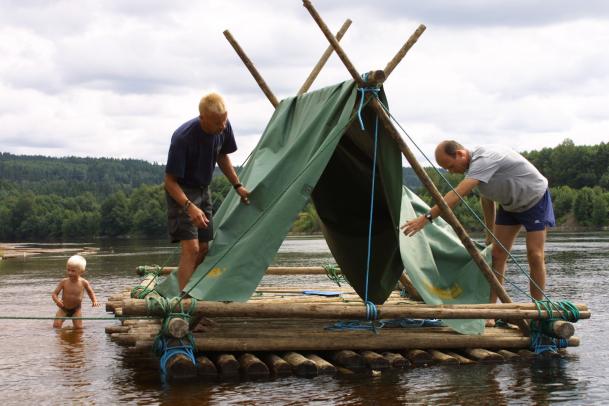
(42, 365)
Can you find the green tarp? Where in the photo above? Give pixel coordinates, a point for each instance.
(313, 148)
(440, 267)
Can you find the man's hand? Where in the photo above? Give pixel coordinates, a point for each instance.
(412, 227)
(244, 193)
(197, 216)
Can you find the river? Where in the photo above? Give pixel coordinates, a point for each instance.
(40, 365)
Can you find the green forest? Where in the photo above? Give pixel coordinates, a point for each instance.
(43, 198)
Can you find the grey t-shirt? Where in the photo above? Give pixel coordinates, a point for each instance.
(506, 177)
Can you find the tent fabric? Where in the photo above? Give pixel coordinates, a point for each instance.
(313, 148)
(303, 136)
(440, 267)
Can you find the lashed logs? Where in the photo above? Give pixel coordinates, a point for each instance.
(252, 367)
(323, 366)
(396, 360)
(206, 368)
(139, 307)
(277, 365)
(442, 358)
(375, 361)
(300, 365)
(482, 355)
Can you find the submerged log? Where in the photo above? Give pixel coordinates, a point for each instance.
(277, 365)
(180, 366)
(348, 359)
(460, 358)
(300, 365)
(375, 360)
(508, 355)
(206, 368)
(418, 356)
(251, 366)
(396, 360)
(482, 355)
(442, 358)
(323, 366)
(227, 365)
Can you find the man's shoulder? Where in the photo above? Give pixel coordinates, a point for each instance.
(183, 131)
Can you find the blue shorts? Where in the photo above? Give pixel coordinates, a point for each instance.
(536, 218)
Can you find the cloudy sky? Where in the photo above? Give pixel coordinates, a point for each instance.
(115, 78)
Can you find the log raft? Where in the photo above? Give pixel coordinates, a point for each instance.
(281, 331)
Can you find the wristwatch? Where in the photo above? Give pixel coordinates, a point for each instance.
(429, 217)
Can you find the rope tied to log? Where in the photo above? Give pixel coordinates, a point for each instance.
(141, 291)
(374, 90)
(543, 337)
(163, 347)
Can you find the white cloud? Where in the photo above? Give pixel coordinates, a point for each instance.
(116, 78)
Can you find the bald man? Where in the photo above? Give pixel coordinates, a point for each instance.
(196, 147)
(506, 177)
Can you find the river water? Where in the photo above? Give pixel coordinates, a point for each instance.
(40, 365)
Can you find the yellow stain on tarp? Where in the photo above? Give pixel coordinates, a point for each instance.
(444, 293)
(216, 272)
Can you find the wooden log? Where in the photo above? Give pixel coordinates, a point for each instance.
(277, 365)
(405, 48)
(250, 66)
(460, 358)
(442, 358)
(526, 354)
(348, 359)
(397, 361)
(409, 287)
(178, 327)
(139, 307)
(563, 329)
(251, 366)
(447, 213)
(227, 365)
(375, 360)
(482, 355)
(508, 355)
(301, 366)
(375, 342)
(323, 366)
(322, 61)
(206, 368)
(116, 329)
(146, 285)
(418, 357)
(180, 367)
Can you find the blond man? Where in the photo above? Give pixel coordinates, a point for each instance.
(196, 146)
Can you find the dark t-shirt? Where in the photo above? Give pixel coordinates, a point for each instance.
(193, 153)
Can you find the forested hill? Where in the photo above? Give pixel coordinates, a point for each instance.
(71, 176)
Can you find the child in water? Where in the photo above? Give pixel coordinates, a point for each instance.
(73, 287)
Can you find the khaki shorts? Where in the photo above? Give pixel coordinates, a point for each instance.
(180, 226)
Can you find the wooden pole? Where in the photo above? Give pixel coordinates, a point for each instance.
(405, 48)
(337, 48)
(250, 66)
(139, 307)
(418, 169)
(324, 58)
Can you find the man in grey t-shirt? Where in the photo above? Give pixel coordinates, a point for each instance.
(506, 177)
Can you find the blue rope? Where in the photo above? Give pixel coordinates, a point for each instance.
(389, 323)
(161, 347)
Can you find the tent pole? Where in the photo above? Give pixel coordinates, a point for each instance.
(405, 48)
(250, 66)
(324, 58)
(447, 213)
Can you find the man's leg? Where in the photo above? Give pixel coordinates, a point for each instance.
(203, 248)
(506, 234)
(188, 261)
(536, 257)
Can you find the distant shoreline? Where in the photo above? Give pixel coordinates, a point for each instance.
(20, 250)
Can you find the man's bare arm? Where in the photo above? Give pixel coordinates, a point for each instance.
(226, 166)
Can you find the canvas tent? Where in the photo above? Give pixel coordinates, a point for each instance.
(314, 148)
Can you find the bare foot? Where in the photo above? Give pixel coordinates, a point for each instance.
(490, 323)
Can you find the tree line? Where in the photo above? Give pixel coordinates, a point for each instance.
(43, 198)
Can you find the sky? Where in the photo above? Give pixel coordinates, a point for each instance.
(115, 78)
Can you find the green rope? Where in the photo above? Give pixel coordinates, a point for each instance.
(141, 291)
(78, 318)
(334, 274)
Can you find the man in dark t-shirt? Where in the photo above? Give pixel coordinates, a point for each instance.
(196, 147)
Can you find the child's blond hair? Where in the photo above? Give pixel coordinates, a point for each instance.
(77, 261)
